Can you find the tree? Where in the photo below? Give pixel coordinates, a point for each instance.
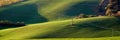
(111, 7)
(82, 16)
(101, 7)
(118, 14)
(9, 23)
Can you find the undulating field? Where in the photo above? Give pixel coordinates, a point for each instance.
(36, 11)
(97, 27)
(106, 38)
(55, 20)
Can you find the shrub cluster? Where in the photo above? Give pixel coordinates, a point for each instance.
(85, 16)
(9, 23)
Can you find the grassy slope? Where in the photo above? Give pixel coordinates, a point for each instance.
(105, 38)
(55, 10)
(65, 9)
(26, 11)
(35, 11)
(83, 28)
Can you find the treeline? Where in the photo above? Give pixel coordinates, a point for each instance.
(86, 16)
(10, 23)
(8, 2)
(89, 16)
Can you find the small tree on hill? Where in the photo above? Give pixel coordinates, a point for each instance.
(81, 16)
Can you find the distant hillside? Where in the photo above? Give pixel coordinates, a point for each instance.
(63, 9)
(37, 11)
(105, 38)
(82, 28)
(8, 2)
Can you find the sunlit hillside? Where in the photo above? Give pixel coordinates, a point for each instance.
(57, 20)
(8, 2)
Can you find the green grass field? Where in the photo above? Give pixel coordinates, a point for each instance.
(37, 11)
(82, 28)
(108, 38)
(52, 20)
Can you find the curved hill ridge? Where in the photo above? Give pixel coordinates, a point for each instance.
(8, 2)
(57, 15)
(82, 28)
(106, 38)
(37, 11)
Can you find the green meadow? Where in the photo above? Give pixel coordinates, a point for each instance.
(55, 20)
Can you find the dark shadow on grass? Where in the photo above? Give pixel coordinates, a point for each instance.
(95, 30)
(26, 13)
(65, 32)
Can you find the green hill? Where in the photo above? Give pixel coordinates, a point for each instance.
(96, 27)
(106, 38)
(36, 11)
(23, 12)
(57, 17)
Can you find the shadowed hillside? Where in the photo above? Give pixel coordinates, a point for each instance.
(57, 19)
(81, 7)
(26, 13)
(63, 9)
(37, 11)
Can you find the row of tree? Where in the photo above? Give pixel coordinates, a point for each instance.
(9, 23)
(86, 16)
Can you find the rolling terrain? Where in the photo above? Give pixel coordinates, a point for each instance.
(37, 11)
(82, 28)
(55, 20)
(8, 2)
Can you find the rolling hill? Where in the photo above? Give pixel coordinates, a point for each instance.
(96, 27)
(8, 2)
(106, 38)
(59, 24)
(37, 11)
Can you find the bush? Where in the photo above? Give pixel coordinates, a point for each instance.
(9, 23)
(85, 16)
(91, 16)
(81, 16)
(118, 14)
